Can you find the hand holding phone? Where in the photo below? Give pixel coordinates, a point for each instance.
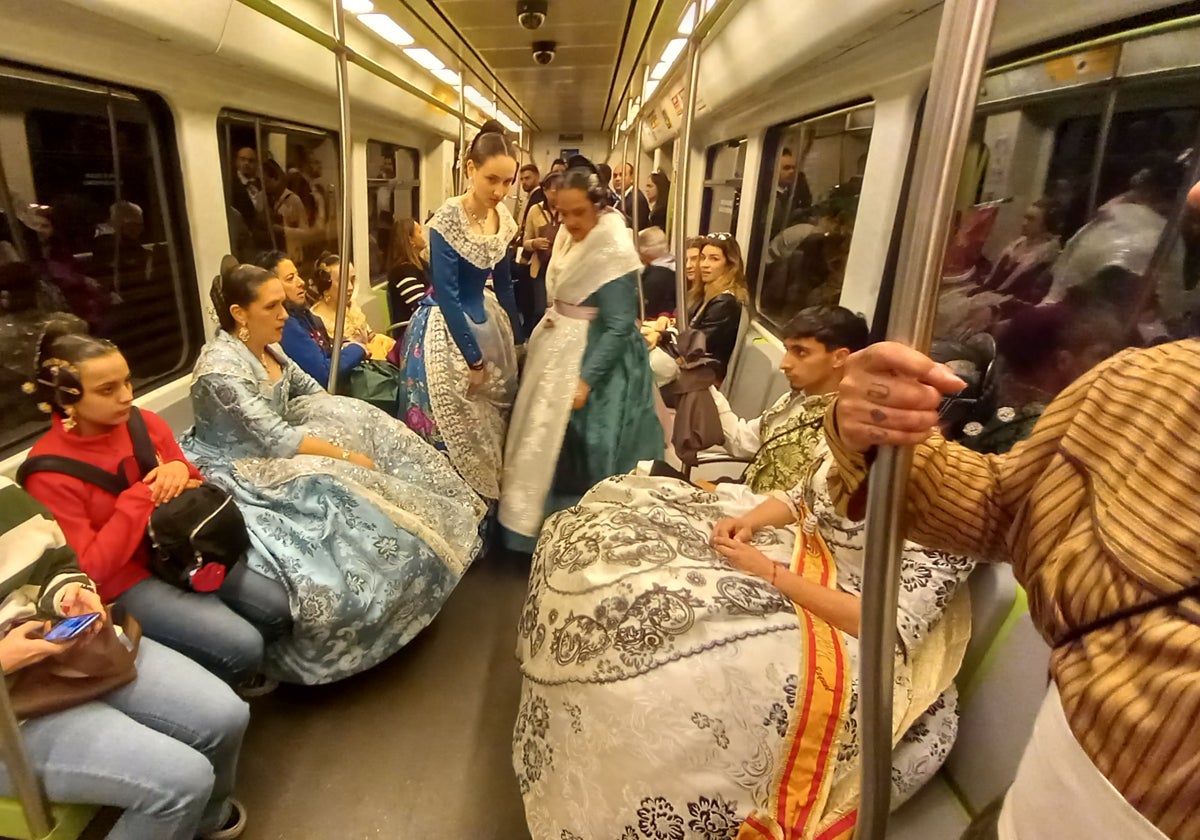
(71, 628)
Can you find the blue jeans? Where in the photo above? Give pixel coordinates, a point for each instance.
(163, 748)
(224, 631)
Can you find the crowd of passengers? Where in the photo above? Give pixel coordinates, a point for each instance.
(673, 629)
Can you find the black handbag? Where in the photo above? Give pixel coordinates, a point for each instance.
(194, 539)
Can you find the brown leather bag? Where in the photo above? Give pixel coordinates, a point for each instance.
(89, 669)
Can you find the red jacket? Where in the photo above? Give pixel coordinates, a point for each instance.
(107, 532)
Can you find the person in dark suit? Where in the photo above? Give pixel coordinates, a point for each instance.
(246, 192)
(627, 189)
(605, 173)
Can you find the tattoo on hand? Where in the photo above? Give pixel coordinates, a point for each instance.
(877, 415)
(878, 391)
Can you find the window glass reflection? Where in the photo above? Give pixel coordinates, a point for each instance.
(810, 210)
(89, 234)
(726, 163)
(393, 196)
(282, 188)
(1072, 241)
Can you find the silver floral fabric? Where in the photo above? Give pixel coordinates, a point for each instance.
(368, 557)
(659, 681)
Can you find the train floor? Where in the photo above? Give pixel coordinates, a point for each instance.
(418, 747)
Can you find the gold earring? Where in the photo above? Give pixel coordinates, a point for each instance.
(243, 333)
(68, 418)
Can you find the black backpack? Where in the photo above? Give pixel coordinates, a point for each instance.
(194, 539)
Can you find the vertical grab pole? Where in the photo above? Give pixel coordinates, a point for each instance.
(15, 225)
(1106, 119)
(113, 137)
(953, 87)
(683, 154)
(347, 249)
(33, 800)
(637, 183)
(624, 160)
(262, 178)
(460, 171)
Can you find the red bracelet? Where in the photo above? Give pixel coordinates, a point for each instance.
(774, 571)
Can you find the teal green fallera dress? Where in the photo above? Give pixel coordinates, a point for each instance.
(617, 426)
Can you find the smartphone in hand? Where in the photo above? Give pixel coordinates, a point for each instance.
(69, 628)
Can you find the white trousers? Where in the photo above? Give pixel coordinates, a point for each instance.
(1059, 794)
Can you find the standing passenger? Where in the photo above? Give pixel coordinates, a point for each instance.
(629, 193)
(541, 228)
(586, 408)
(1098, 513)
(658, 194)
(460, 366)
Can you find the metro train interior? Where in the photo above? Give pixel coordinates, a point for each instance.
(121, 127)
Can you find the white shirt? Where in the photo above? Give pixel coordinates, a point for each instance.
(743, 438)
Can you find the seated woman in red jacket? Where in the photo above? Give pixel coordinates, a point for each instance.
(85, 383)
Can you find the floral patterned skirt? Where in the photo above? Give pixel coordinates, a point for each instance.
(434, 402)
(659, 682)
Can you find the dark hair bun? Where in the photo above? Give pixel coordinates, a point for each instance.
(490, 142)
(582, 174)
(492, 127)
(580, 162)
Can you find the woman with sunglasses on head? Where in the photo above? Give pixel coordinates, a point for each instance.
(585, 410)
(715, 303)
(459, 360)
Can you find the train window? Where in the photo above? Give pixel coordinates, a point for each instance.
(1072, 239)
(724, 168)
(809, 203)
(91, 233)
(282, 187)
(393, 194)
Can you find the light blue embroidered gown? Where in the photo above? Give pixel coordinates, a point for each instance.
(368, 557)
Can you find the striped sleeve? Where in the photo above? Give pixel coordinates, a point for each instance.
(33, 550)
(959, 500)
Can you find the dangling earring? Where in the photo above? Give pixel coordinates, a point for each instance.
(243, 333)
(68, 418)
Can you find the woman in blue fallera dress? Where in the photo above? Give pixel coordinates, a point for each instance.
(366, 526)
(460, 363)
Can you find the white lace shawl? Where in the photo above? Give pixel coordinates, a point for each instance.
(479, 249)
(580, 268)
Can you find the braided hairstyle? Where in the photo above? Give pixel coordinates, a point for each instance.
(322, 275)
(57, 384)
(490, 142)
(583, 175)
(236, 285)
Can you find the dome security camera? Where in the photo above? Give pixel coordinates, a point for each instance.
(544, 51)
(532, 13)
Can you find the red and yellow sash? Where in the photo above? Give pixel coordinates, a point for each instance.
(796, 810)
